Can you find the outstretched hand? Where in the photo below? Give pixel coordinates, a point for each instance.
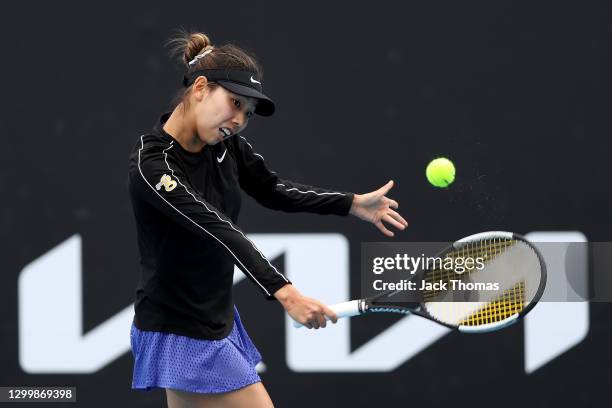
(374, 207)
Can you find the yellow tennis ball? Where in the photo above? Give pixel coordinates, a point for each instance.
(440, 172)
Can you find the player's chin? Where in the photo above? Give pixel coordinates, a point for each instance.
(213, 140)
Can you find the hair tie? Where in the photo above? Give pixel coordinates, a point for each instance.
(197, 57)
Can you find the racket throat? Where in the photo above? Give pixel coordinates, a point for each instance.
(399, 308)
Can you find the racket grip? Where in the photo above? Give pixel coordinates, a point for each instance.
(344, 309)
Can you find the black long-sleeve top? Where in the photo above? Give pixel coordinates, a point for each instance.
(186, 207)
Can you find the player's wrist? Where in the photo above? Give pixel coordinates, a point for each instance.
(355, 203)
(287, 295)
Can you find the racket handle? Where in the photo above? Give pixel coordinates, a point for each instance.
(344, 309)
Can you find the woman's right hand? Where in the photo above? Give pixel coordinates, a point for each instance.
(304, 310)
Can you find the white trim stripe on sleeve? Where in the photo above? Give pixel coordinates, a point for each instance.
(290, 189)
(309, 191)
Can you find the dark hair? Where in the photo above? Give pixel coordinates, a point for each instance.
(188, 45)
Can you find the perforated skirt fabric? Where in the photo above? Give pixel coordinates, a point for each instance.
(166, 360)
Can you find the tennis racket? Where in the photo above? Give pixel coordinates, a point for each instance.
(507, 259)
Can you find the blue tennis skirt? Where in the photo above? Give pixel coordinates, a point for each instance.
(166, 360)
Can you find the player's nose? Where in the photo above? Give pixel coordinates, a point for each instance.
(240, 120)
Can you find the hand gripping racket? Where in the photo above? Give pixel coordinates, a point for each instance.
(507, 259)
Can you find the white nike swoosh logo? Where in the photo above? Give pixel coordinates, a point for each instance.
(255, 81)
(220, 159)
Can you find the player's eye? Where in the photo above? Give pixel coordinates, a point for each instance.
(236, 103)
(249, 115)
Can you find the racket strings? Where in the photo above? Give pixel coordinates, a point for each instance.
(510, 302)
(505, 261)
(485, 249)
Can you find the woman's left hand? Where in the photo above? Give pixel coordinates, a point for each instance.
(374, 207)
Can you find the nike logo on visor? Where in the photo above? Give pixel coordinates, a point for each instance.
(255, 81)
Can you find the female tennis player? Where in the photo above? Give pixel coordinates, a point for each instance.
(185, 181)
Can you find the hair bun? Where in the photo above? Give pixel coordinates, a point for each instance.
(196, 43)
(189, 44)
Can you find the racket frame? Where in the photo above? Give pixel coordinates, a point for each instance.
(370, 305)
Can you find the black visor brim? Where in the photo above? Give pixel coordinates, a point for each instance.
(265, 106)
